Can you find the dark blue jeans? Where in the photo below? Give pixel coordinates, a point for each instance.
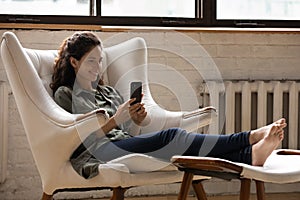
(175, 141)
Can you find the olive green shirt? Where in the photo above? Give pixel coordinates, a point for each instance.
(80, 101)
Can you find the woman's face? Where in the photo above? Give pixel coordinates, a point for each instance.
(89, 66)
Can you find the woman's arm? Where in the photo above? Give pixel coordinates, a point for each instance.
(134, 129)
(107, 127)
(124, 113)
(121, 116)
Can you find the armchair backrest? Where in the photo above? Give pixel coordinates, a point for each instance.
(127, 62)
(42, 61)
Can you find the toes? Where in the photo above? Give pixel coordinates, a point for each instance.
(281, 137)
(280, 134)
(280, 121)
(281, 126)
(276, 130)
(273, 130)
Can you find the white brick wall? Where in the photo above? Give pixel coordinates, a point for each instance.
(238, 55)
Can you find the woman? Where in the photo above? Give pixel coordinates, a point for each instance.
(77, 88)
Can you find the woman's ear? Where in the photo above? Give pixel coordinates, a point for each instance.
(75, 63)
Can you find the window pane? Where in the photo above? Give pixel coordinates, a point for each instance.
(149, 8)
(45, 7)
(258, 9)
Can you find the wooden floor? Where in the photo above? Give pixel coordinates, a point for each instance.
(284, 196)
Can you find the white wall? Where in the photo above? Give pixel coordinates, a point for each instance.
(237, 55)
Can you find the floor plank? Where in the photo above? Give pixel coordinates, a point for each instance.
(281, 196)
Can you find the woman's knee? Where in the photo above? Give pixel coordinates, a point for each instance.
(177, 130)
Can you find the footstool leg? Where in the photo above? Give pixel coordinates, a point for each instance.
(260, 190)
(245, 189)
(199, 190)
(185, 185)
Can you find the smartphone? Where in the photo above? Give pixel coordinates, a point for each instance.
(136, 92)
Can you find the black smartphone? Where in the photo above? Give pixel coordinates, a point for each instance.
(136, 92)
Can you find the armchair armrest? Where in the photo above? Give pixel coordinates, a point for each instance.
(198, 118)
(198, 112)
(99, 111)
(89, 122)
(161, 119)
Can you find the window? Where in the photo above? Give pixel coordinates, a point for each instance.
(45, 7)
(259, 9)
(146, 8)
(257, 13)
(189, 13)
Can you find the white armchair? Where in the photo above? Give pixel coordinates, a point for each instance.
(53, 133)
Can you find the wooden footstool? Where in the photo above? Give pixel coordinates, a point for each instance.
(212, 167)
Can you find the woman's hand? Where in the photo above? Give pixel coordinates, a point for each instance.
(137, 112)
(122, 115)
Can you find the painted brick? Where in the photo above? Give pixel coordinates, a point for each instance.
(216, 38)
(285, 38)
(233, 51)
(274, 51)
(252, 38)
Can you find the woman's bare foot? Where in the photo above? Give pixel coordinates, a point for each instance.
(262, 149)
(260, 133)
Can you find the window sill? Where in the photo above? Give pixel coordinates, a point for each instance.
(141, 28)
(198, 29)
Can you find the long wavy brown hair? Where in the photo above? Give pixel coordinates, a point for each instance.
(75, 46)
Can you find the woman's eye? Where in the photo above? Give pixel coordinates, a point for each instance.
(92, 61)
(95, 61)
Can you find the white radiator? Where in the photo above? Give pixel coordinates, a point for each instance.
(245, 105)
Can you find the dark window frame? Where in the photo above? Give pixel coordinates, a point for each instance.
(208, 20)
(251, 23)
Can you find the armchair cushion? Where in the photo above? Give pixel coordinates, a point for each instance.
(140, 163)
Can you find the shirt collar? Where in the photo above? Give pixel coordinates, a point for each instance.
(77, 90)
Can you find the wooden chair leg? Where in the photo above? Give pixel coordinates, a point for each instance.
(199, 190)
(118, 193)
(245, 189)
(47, 196)
(185, 185)
(260, 190)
